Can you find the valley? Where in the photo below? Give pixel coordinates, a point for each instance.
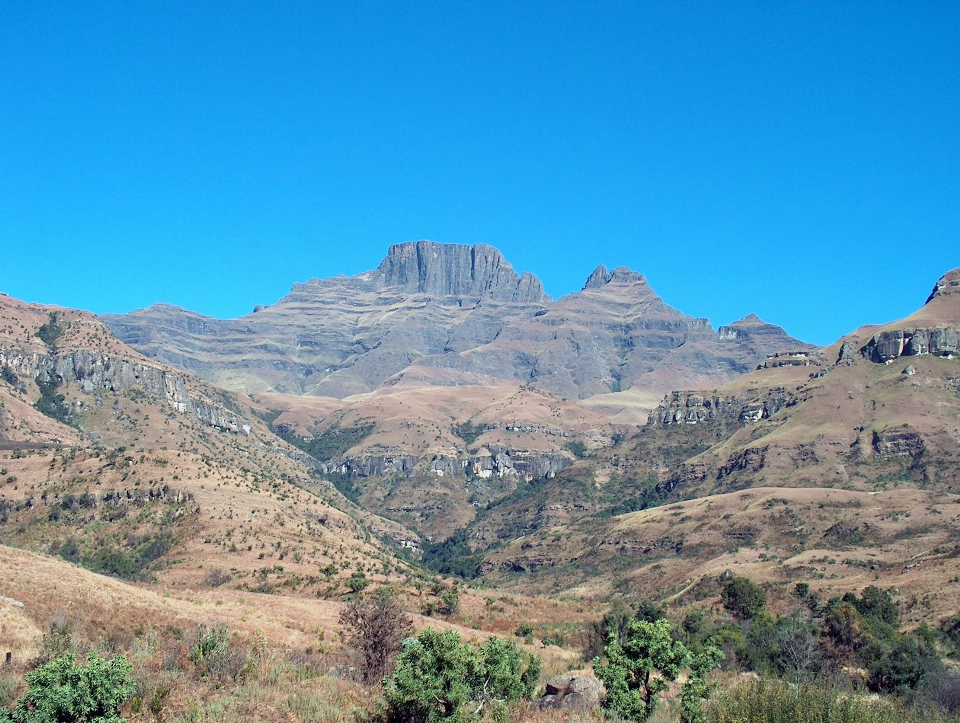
(441, 432)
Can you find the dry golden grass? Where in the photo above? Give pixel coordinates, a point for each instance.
(835, 540)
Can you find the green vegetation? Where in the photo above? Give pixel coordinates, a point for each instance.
(51, 402)
(640, 667)
(50, 332)
(439, 678)
(468, 431)
(743, 598)
(65, 691)
(9, 376)
(332, 443)
(774, 701)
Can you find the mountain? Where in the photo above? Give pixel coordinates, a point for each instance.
(125, 466)
(444, 314)
(837, 467)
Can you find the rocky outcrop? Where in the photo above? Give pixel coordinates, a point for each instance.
(693, 407)
(948, 285)
(791, 359)
(93, 372)
(748, 460)
(426, 267)
(889, 345)
(571, 692)
(898, 442)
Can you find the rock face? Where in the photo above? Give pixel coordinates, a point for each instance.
(92, 372)
(898, 442)
(692, 407)
(452, 315)
(889, 345)
(436, 269)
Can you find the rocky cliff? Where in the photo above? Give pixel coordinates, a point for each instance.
(476, 271)
(444, 314)
(93, 372)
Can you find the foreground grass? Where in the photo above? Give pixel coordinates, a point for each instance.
(772, 701)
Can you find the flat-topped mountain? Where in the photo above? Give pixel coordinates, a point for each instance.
(445, 314)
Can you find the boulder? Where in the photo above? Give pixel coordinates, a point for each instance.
(571, 692)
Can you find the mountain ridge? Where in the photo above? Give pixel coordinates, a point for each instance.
(460, 313)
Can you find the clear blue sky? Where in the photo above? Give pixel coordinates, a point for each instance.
(798, 160)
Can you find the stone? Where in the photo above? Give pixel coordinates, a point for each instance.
(571, 692)
(910, 370)
(898, 442)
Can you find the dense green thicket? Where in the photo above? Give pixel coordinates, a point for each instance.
(330, 444)
(440, 678)
(50, 332)
(65, 691)
(51, 402)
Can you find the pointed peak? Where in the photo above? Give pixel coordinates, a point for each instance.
(597, 279)
(620, 275)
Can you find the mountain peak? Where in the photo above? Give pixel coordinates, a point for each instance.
(427, 267)
(622, 275)
(947, 285)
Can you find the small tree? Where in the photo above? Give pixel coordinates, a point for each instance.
(697, 689)
(636, 671)
(64, 691)
(743, 598)
(375, 628)
(439, 678)
(798, 650)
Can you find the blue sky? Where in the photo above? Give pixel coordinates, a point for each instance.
(797, 160)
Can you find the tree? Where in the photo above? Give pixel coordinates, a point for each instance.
(439, 678)
(64, 691)
(375, 628)
(636, 671)
(743, 598)
(797, 649)
(697, 689)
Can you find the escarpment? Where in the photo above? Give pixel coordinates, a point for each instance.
(447, 314)
(92, 372)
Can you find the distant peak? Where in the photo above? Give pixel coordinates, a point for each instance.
(749, 319)
(621, 275)
(428, 267)
(948, 285)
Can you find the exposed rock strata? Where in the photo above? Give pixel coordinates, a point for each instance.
(688, 407)
(449, 314)
(93, 372)
(889, 345)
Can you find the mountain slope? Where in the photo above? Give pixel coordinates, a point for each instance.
(144, 472)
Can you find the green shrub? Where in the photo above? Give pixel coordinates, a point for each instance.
(357, 582)
(50, 332)
(439, 678)
(743, 598)
(636, 671)
(64, 691)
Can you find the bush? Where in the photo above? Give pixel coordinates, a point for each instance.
(743, 598)
(640, 668)
(439, 678)
(50, 332)
(64, 691)
(213, 655)
(375, 628)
